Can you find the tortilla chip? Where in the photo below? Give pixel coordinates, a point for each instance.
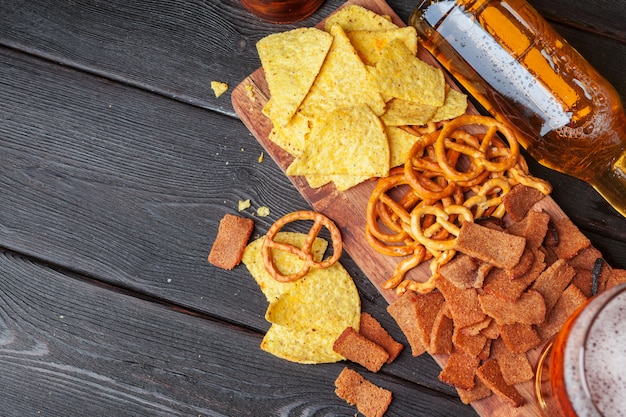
(342, 182)
(401, 74)
(325, 300)
(300, 346)
(370, 43)
(287, 263)
(292, 136)
(219, 88)
(291, 61)
(354, 17)
(455, 104)
(343, 81)
(402, 112)
(352, 141)
(311, 315)
(400, 143)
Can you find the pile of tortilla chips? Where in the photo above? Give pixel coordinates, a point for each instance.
(309, 314)
(339, 96)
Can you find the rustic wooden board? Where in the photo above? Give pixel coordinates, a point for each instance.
(347, 209)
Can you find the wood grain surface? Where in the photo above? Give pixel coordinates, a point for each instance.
(347, 210)
(117, 163)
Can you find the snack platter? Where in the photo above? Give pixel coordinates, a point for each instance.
(348, 209)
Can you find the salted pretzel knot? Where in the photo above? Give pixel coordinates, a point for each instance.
(304, 253)
(478, 152)
(442, 216)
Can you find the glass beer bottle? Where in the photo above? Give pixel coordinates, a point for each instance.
(567, 116)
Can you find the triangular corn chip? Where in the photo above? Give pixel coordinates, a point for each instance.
(350, 141)
(370, 43)
(401, 74)
(291, 61)
(354, 17)
(343, 81)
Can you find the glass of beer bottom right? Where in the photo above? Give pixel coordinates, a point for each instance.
(582, 372)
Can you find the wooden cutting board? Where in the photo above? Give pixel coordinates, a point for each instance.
(347, 209)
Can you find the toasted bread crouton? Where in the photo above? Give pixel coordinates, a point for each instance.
(370, 400)
(232, 237)
(357, 348)
(491, 375)
(499, 248)
(374, 331)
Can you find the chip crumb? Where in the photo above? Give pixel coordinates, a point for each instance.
(261, 157)
(263, 211)
(243, 204)
(250, 92)
(219, 88)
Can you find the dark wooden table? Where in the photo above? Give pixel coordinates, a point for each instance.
(117, 163)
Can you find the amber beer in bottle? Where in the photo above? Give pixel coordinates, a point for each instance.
(567, 116)
(282, 11)
(586, 363)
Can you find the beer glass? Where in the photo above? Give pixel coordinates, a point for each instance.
(581, 373)
(282, 11)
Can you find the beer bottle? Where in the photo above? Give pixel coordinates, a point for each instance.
(567, 116)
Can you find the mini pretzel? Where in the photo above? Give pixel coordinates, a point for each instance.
(478, 154)
(442, 216)
(304, 253)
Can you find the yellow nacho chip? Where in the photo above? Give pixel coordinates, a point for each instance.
(288, 263)
(401, 113)
(401, 74)
(350, 141)
(311, 315)
(354, 17)
(291, 61)
(370, 43)
(343, 81)
(342, 182)
(400, 143)
(454, 105)
(292, 136)
(219, 88)
(306, 347)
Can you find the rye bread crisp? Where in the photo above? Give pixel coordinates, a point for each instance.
(371, 400)
(233, 234)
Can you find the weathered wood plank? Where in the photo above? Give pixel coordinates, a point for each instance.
(129, 188)
(72, 348)
(177, 48)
